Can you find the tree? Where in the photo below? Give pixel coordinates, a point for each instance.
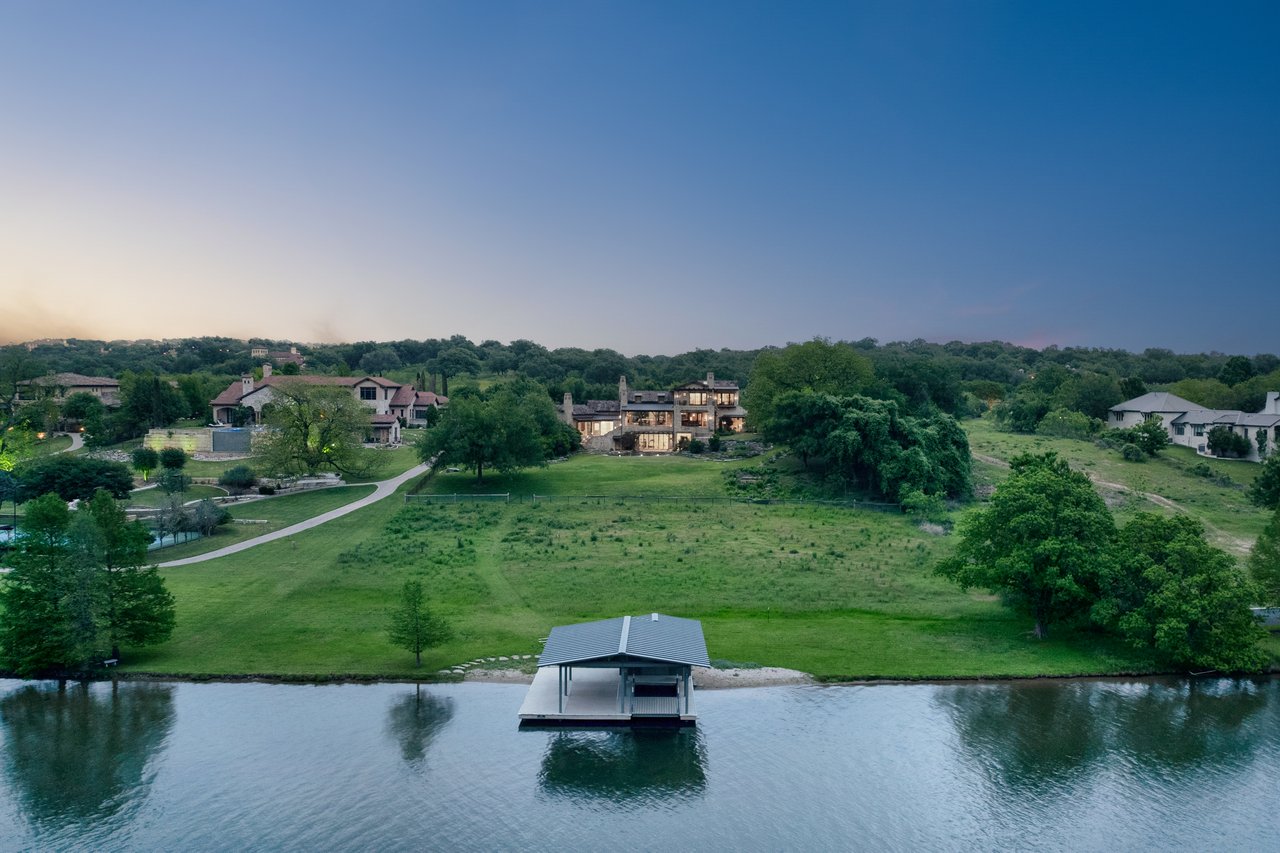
(817, 366)
(145, 461)
(134, 608)
(379, 360)
(79, 587)
(1131, 387)
(207, 516)
(238, 479)
(173, 458)
(1042, 543)
(72, 478)
(1264, 561)
(803, 421)
(314, 428)
(1224, 441)
(413, 627)
(1261, 440)
(1237, 369)
(86, 410)
(147, 401)
(501, 431)
(1173, 593)
(1265, 491)
(35, 633)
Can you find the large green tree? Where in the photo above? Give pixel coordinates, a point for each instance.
(413, 626)
(315, 428)
(72, 477)
(79, 588)
(1042, 543)
(1173, 593)
(509, 428)
(818, 366)
(1264, 561)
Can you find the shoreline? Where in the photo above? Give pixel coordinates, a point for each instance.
(714, 679)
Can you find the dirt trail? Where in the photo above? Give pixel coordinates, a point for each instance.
(1236, 544)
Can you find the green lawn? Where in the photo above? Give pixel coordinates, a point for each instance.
(274, 513)
(585, 474)
(156, 497)
(837, 592)
(1232, 522)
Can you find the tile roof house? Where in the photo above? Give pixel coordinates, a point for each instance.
(657, 421)
(59, 386)
(1188, 423)
(393, 404)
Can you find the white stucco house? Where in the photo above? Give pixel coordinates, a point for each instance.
(1188, 423)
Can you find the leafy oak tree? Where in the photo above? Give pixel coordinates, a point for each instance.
(817, 366)
(1175, 594)
(506, 430)
(145, 460)
(315, 428)
(413, 626)
(72, 477)
(1043, 543)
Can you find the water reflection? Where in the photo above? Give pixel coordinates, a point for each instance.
(625, 765)
(1040, 734)
(78, 754)
(413, 720)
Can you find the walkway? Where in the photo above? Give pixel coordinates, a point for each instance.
(381, 490)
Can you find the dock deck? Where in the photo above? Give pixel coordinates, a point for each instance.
(594, 700)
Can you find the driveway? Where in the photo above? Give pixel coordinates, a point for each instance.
(382, 489)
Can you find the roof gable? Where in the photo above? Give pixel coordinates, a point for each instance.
(654, 637)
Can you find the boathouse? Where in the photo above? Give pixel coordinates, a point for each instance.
(621, 671)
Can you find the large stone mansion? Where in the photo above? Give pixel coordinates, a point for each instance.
(657, 421)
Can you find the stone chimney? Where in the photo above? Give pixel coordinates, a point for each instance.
(293, 350)
(568, 408)
(246, 384)
(1272, 406)
(711, 379)
(266, 370)
(622, 389)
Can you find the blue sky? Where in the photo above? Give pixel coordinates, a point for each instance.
(651, 177)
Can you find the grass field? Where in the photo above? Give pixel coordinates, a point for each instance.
(266, 515)
(837, 592)
(156, 497)
(1231, 521)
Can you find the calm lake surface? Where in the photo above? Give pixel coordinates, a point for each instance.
(1087, 765)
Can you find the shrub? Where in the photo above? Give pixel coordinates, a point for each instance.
(173, 480)
(266, 490)
(715, 443)
(1133, 453)
(173, 458)
(1065, 423)
(695, 445)
(239, 479)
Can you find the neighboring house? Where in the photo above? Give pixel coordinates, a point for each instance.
(280, 359)
(393, 405)
(59, 386)
(657, 421)
(1188, 424)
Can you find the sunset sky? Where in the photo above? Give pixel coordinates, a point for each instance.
(651, 177)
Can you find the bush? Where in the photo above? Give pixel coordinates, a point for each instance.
(695, 445)
(929, 507)
(1133, 453)
(239, 479)
(173, 480)
(1064, 423)
(173, 458)
(266, 490)
(715, 443)
(1224, 441)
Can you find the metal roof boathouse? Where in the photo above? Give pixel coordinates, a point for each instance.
(622, 671)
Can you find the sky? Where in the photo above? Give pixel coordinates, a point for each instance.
(651, 177)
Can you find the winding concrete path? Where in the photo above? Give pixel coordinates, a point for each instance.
(381, 490)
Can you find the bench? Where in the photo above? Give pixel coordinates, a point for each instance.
(111, 662)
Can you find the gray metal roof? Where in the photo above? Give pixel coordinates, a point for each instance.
(1156, 401)
(654, 636)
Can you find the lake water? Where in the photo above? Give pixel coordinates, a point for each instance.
(1081, 765)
